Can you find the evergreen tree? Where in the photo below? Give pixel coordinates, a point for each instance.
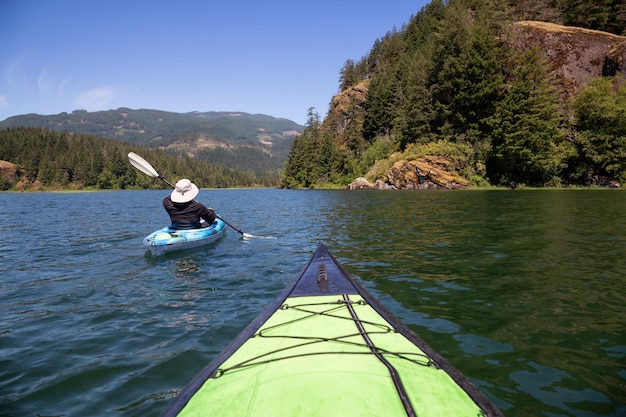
(414, 115)
(347, 75)
(478, 86)
(467, 76)
(302, 167)
(600, 112)
(450, 42)
(527, 142)
(380, 106)
(604, 15)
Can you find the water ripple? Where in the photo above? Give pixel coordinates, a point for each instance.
(523, 292)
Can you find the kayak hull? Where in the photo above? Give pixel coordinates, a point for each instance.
(169, 240)
(326, 347)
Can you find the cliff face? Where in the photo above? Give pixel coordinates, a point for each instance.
(346, 113)
(576, 54)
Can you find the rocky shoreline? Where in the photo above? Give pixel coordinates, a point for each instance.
(426, 173)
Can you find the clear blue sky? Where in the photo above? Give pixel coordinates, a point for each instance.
(273, 57)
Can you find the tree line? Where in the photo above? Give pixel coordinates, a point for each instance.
(48, 160)
(449, 78)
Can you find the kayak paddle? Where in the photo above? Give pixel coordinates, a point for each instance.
(145, 167)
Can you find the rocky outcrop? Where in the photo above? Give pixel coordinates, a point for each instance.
(12, 175)
(9, 170)
(576, 54)
(361, 183)
(346, 111)
(427, 173)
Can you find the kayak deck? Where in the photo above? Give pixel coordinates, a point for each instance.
(325, 347)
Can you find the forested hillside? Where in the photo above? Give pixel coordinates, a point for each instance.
(40, 159)
(464, 82)
(251, 143)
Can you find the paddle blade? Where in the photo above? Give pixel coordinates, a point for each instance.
(142, 165)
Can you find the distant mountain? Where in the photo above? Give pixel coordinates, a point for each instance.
(243, 141)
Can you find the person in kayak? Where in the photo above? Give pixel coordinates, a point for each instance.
(185, 213)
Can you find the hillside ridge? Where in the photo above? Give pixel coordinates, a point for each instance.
(237, 140)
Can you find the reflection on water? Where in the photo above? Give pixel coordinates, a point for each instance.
(537, 278)
(185, 267)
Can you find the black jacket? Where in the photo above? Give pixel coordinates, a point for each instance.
(188, 215)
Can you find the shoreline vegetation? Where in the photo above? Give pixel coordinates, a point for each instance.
(330, 188)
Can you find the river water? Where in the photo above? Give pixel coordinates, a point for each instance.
(523, 291)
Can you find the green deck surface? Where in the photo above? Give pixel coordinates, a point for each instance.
(303, 363)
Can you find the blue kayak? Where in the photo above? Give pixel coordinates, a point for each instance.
(169, 240)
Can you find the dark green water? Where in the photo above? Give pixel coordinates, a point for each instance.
(523, 291)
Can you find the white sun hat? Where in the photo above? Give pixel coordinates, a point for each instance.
(185, 191)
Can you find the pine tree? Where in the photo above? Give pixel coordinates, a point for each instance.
(414, 112)
(527, 142)
(302, 166)
(604, 15)
(380, 107)
(467, 75)
(600, 111)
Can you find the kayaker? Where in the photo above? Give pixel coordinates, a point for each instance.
(184, 212)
